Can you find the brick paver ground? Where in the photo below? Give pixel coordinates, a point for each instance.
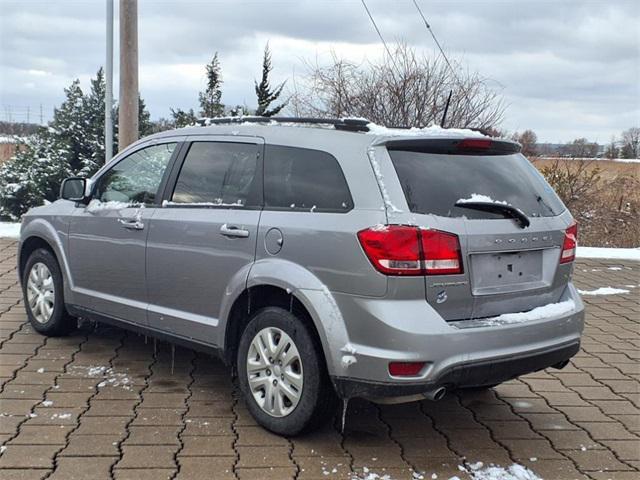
(106, 403)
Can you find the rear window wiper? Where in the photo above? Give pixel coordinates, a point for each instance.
(508, 211)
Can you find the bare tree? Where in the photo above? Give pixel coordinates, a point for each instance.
(580, 148)
(408, 90)
(528, 139)
(631, 143)
(612, 150)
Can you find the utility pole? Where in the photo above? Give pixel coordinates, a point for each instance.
(108, 97)
(128, 107)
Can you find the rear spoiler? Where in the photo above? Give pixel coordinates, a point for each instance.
(458, 146)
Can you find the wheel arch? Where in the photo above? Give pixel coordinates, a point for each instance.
(251, 300)
(30, 245)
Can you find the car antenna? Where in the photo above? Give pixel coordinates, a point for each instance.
(446, 109)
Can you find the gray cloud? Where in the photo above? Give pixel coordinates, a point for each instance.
(566, 69)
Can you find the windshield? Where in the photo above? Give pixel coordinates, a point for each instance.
(434, 183)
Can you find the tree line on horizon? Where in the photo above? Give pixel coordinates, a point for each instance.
(627, 147)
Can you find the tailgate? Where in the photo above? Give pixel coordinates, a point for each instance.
(507, 270)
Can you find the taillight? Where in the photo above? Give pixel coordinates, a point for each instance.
(408, 250)
(392, 249)
(441, 252)
(405, 369)
(570, 244)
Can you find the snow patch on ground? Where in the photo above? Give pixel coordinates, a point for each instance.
(476, 197)
(9, 230)
(603, 291)
(61, 416)
(514, 472)
(613, 253)
(111, 378)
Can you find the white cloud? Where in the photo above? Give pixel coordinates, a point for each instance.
(567, 69)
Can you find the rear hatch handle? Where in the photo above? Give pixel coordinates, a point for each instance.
(507, 210)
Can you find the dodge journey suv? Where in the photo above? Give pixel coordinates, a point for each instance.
(321, 259)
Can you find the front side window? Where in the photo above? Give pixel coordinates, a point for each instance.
(137, 178)
(304, 179)
(219, 174)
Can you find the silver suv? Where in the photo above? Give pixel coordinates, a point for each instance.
(320, 259)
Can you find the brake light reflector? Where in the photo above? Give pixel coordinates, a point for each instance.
(475, 144)
(441, 252)
(405, 369)
(408, 250)
(570, 244)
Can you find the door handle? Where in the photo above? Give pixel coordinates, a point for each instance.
(131, 224)
(233, 231)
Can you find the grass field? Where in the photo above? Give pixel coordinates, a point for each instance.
(603, 195)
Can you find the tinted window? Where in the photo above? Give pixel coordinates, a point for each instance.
(136, 179)
(434, 183)
(303, 179)
(219, 174)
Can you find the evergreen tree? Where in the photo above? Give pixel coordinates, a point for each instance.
(94, 107)
(183, 118)
(239, 111)
(33, 175)
(68, 127)
(73, 144)
(210, 100)
(145, 126)
(266, 95)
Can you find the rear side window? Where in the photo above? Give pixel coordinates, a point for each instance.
(304, 179)
(223, 174)
(433, 183)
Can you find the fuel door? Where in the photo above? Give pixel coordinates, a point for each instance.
(273, 241)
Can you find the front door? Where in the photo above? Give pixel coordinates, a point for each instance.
(107, 238)
(204, 238)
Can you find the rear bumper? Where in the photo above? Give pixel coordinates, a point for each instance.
(382, 331)
(470, 374)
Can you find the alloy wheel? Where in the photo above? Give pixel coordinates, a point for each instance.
(41, 292)
(274, 372)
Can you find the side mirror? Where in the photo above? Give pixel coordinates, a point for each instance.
(73, 189)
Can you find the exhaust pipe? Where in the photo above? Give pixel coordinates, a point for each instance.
(560, 365)
(437, 394)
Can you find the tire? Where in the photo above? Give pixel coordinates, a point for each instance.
(316, 399)
(50, 317)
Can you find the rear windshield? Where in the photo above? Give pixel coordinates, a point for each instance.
(433, 183)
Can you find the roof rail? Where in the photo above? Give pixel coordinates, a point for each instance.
(348, 124)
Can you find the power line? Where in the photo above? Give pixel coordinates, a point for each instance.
(444, 55)
(426, 24)
(380, 35)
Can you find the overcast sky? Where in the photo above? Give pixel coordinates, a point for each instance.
(566, 69)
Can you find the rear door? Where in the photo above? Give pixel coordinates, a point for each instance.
(506, 268)
(204, 237)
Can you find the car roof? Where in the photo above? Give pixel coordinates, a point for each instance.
(296, 130)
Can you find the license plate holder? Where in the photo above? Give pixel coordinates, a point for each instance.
(506, 271)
